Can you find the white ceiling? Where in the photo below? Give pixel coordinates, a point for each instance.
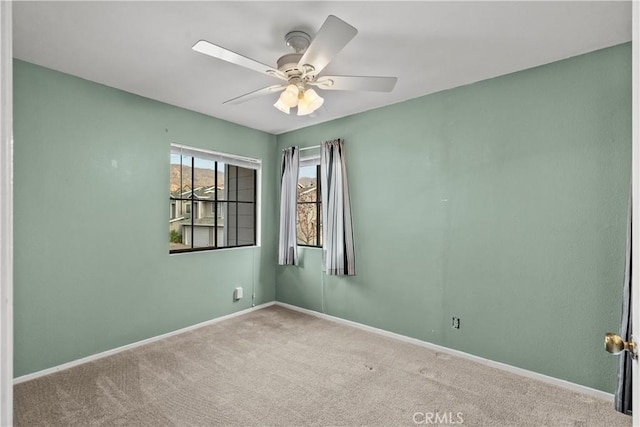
(145, 47)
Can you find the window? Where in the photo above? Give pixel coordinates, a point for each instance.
(309, 215)
(213, 199)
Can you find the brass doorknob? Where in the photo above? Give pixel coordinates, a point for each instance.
(616, 345)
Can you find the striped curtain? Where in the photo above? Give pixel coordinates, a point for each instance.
(287, 245)
(337, 233)
(623, 396)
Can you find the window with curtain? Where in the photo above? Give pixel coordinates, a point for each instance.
(309, 209)
(213, 200)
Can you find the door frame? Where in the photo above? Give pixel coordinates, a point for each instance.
(6, 214)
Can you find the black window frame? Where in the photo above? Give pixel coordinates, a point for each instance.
(216, 204)
(318, 203)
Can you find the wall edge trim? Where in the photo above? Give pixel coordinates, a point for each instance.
(488, 362)
(91, 358)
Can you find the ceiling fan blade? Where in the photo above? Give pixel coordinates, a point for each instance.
(330, 39)
(364, 83)
(255, 94)
(216, 51)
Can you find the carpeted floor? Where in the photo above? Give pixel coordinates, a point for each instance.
(278, 367)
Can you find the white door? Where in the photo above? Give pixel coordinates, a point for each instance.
(635, 237)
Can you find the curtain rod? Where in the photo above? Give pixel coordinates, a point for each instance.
(313, 147)
(309, 148)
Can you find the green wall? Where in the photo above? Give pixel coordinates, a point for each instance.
(503, 203)
(92, 264)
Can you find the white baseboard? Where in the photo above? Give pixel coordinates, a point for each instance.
(97, 356)
(503, 366)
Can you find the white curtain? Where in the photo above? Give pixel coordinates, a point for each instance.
(337, 233)
(287, 246)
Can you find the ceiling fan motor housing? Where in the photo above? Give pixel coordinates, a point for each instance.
(288, 64)
(299, 41)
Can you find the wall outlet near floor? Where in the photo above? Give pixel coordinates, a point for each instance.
(455, 322)
(237, 293)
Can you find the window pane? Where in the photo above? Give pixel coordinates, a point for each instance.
(175, 175)
(230, 224)
(307, 231)
(308, 206)
(222, 180)
(185, 185)
(246, 224)
(175, 236)
(204, 184)
(231, 191)
(307, 184)
(239, 224)
(221, 215)
(179, 225)
(242, 186)
(246, 184)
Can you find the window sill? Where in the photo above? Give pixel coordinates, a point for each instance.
(214, 250)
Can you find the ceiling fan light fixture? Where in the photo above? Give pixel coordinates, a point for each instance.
(280, 105)
(304, 108)
(308, 102)
(290, 96)
(314, 100)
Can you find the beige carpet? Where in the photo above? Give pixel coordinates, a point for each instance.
(279, 367)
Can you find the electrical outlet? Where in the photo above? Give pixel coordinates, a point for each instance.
(237, 293)
(455, 322)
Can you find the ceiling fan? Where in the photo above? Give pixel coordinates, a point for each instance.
(301, 70)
